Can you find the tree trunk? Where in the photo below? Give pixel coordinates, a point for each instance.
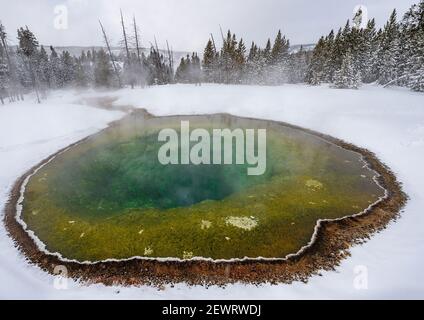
(111, 55)
(137, 45)
(34, 81)
(127, 50)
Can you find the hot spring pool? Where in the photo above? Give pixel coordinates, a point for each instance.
(109, 197)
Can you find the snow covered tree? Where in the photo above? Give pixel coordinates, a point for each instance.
(81, 77)
(227, 58)
(28, 47)
(393, 55)
(240, 60)
(266, 53)
(4, 70)
(67, 69)
(189, 70)
(42, 70)
(4, 77)
(103, 72)
(181, 75)
(346, 77)
(369, 53)
(411, 57)
(253, 65)
(389, 49)
(298, 66)
(209, 62)
(328, 67)
(196, 69)
(270, 65)
(278, 61)
(54, 68)
(315, 72)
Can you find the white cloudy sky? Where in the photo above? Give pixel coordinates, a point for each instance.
(188, 23)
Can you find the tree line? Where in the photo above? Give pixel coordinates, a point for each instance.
(31, 67)
(271, 65)
(392, 55)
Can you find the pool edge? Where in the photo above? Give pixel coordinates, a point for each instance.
(329, 245)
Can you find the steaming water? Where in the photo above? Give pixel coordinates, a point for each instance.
(109, 197)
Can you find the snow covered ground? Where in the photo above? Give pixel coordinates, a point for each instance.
(389, 122)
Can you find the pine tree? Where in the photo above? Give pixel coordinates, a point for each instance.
(252, 74)
(67, 69)
(28, 46)
(298, 66)
(42, 69)
(347, 77)
(4, 70)
(103, 72)
(315, 72)
(369, 53)
(4, 76)
(240, 60)
(197, 69)
(280, 50)
(389, 48)
(411, 58)
(81, 77)
(266, 53)
(181, 73)
(337, 53)
(228, 57)
(278, 62)
(327, 61)
(209, 62)
(54, 68)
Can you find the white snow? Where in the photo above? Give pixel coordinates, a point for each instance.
(389, 122)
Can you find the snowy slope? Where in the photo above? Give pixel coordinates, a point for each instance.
(389, 122)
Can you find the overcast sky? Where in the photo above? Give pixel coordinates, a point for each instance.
(186, 24)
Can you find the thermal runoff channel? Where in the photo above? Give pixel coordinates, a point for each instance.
(110, 197)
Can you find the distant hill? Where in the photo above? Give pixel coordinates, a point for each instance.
(77, 50)
(307, 47)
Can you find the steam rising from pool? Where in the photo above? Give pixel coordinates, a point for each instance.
(126, 203)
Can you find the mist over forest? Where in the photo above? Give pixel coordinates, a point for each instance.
(355, 54)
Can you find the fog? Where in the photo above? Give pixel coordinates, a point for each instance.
(188, 23)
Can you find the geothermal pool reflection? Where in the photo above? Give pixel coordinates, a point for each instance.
(109, 197)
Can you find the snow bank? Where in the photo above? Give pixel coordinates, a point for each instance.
(389, 122)
(28, 134)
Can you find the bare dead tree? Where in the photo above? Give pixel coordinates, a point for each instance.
(158, 59)
(156, 44)
(170, 57)
(222, 33)
(127, 50)
(106, 39)
(213, 43)
(139, 52)
(137, 40)
(225, 60)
